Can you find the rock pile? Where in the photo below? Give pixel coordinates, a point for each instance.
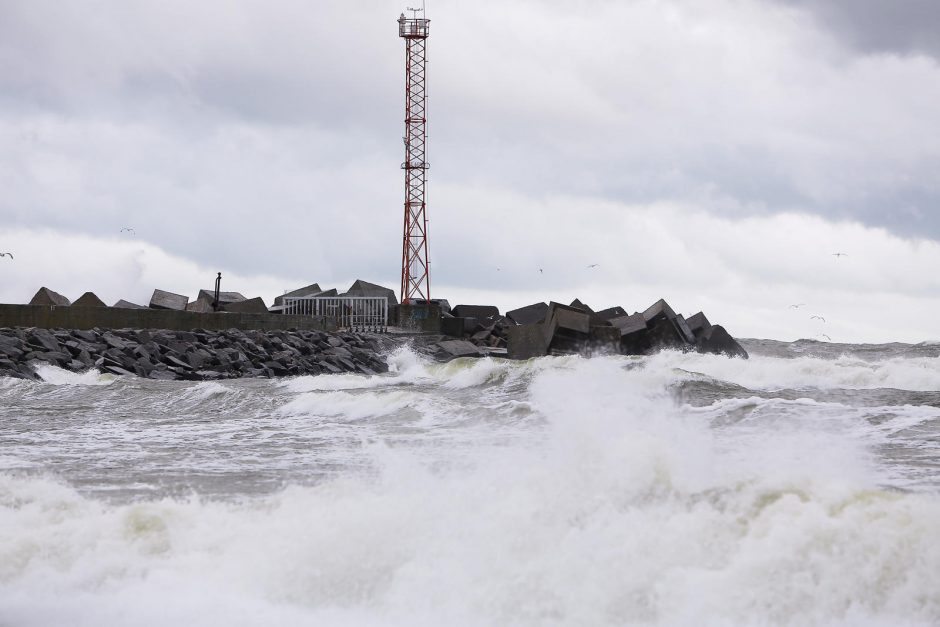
(189, 355)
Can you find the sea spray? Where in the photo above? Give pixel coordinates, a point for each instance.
(562, 491)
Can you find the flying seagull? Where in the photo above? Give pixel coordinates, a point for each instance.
(593, 265)
(129, 230)
(10, 255)
(828, 339)
(817, 318)
(837, 255)
(540, 271)
(797, 306)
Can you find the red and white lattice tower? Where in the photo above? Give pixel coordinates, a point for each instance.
(415, 272)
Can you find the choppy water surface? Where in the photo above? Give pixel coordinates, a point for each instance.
(800, 487)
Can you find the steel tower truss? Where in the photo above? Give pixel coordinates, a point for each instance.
(415, 271)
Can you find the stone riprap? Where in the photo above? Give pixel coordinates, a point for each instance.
(189, 355)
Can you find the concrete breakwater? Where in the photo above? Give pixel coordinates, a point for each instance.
(190, 355)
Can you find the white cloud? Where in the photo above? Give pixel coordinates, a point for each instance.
(744, 274)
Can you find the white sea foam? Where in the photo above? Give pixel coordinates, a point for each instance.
(622, 508)
(767, 373)
(54, 375)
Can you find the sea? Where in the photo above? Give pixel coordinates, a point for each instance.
(799, 487)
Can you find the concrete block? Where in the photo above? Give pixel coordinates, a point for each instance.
(424, 318)
(684, 327)
(313, 288)
(45, 296)
(224, 297)
(452, 326)
(566, 329)
(364, 288)
(605, 340)
(527, 341)
(530, 314)
(123, 304)
(577, 304)
(88, 299)
(168, 300)
(698, 324)
(718, 341)
(475, 311)
(200, 305)
(612, 312)
(249, 305)
(665, 331)
(460, 348)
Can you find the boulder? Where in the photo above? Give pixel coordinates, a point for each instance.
(168, 300)
(45, 296)
(530, 314)
(88, 299)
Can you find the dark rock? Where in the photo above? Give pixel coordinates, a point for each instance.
(88, 299)
(44, 339)
(173, 361)
(88, 336)
(530, 314)
(119, 371)
(45, 296)
(113, 341)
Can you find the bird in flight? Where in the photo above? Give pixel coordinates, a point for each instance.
(837, 255)
(129, 230)
(10, 255)
(540, 271)
(593, 265)
(797, 306)
(817, 318)
(828, 339)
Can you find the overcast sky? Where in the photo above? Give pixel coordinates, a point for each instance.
(715, 153)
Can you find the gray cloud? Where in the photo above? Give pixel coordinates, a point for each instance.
(900, 26)
(255, 140)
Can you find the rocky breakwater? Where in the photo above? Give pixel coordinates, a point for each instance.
(189, 355)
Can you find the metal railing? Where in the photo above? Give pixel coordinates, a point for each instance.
(353, 313)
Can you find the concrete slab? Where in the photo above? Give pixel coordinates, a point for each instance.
(45, 296)
(124, 304)
(475, 311)
(88, 299)
(526, 341)
(168, 300)
(249, 305)
(530, 314)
